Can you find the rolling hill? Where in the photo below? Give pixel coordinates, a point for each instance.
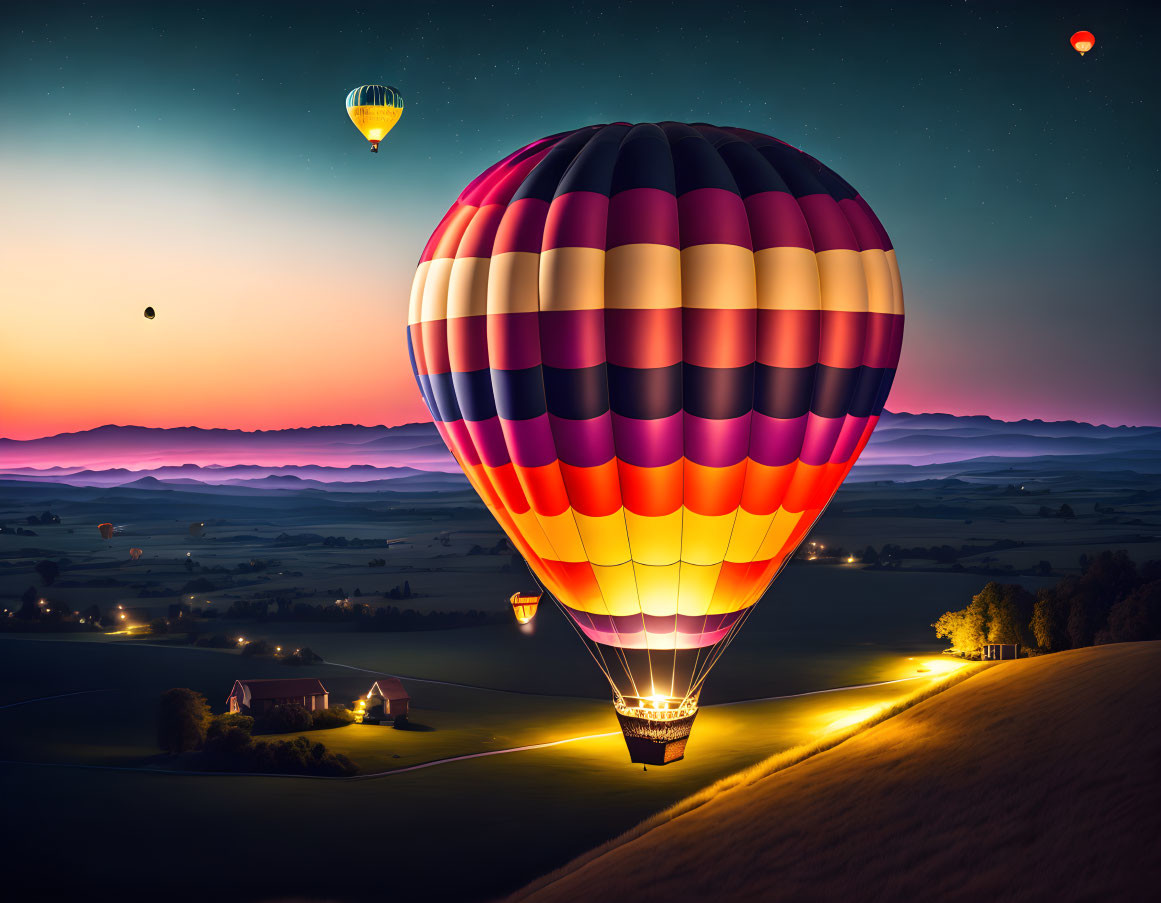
(1035, 780)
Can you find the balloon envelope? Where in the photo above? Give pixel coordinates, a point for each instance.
(374, 109)
(106, 530)
(150, 313)
(656, 350)
(134, 554)
(197, 528)
(1082, 42)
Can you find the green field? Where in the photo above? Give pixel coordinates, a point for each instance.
(502, 819)
(469, 829)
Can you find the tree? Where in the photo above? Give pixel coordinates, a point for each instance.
(1050, 619)
(870, 556)
(966, 629)
(182, 719)
(29, 609)
(1065, 510)
(49, 570)
(1137, 616)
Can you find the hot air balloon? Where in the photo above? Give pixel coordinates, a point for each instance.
(197, 528)
(524, 607)
(374, 109)
(134, 554)
(656, 350)
(1082, 42)
(106, 530)
(150, 313)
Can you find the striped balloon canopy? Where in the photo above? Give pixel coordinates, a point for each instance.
(656, 350)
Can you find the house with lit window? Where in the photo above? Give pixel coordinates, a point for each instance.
(257, 697)
(387, 700)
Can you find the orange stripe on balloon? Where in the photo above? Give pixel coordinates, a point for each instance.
(766, 486)
(453, 232)
(593, 491)
(651, 491)
(544, 488)
(714, 490)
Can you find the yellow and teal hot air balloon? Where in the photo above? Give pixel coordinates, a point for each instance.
(656, 350)
(374, 109)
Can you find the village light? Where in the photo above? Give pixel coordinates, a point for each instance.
(241, 640)
(123, 616)
(850, 559)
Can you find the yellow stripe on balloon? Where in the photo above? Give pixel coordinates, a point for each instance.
(787, 279)
(514, 283)
(718, 277)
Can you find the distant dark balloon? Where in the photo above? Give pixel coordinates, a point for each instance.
(197, 528)
(149, 313)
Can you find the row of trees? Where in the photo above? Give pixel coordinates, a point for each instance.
(225, 742)
(1112, 601)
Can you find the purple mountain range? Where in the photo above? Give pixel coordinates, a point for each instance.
(413, 458)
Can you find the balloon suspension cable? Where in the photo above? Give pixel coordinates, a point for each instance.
(724, 643)
(600, 662)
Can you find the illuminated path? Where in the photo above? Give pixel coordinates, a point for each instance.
(13, 705)
(313, 777)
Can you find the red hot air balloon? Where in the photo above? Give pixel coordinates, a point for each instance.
(1082, 42)
(656, 350)
(106, 530)
(135, 553)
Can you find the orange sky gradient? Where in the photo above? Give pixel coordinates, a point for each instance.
(271, 312)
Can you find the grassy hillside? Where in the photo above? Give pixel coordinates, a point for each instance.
(1034, 780)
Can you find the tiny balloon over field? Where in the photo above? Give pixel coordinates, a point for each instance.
(150, 313)
(374, 109)
(197, 528)
(135, 553)
(1082, 42)
(524, 607)
(106, 530)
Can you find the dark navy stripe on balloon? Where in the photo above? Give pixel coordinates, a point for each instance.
(718, 393)
(577, 393)
(519, 394)
(474, 392)
(645, 394)
(710, 393)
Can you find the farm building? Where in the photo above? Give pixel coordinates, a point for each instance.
(387, 700)
(994, 652)
(256, 697)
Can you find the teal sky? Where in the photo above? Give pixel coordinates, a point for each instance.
(1018, 180)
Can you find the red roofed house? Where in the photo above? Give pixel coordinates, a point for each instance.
(256, 697)
(387, 700)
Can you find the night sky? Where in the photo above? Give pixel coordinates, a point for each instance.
(200, 160)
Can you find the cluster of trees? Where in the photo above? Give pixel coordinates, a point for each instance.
(37, 612)
(1064, 510)
(945, 554)
(363, 616)
(225, 742)
(1112, 601)
(47, 519)
(340, 542)
(500, 548)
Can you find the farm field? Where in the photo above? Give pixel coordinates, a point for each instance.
(587, 788)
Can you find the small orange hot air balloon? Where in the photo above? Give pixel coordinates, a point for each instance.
(524, 607)
(1082, 42)
(134, 554)
(106, 530)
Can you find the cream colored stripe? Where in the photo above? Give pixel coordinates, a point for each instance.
(896, 282)
(467, 291)
(642, 277)
(572, 279)
(434, 304)
(880, 290)
(718, 276)
(513, 283)
(415, 305)
(787, 279)
(843, 280)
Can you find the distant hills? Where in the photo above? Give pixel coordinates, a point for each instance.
(412, 457)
